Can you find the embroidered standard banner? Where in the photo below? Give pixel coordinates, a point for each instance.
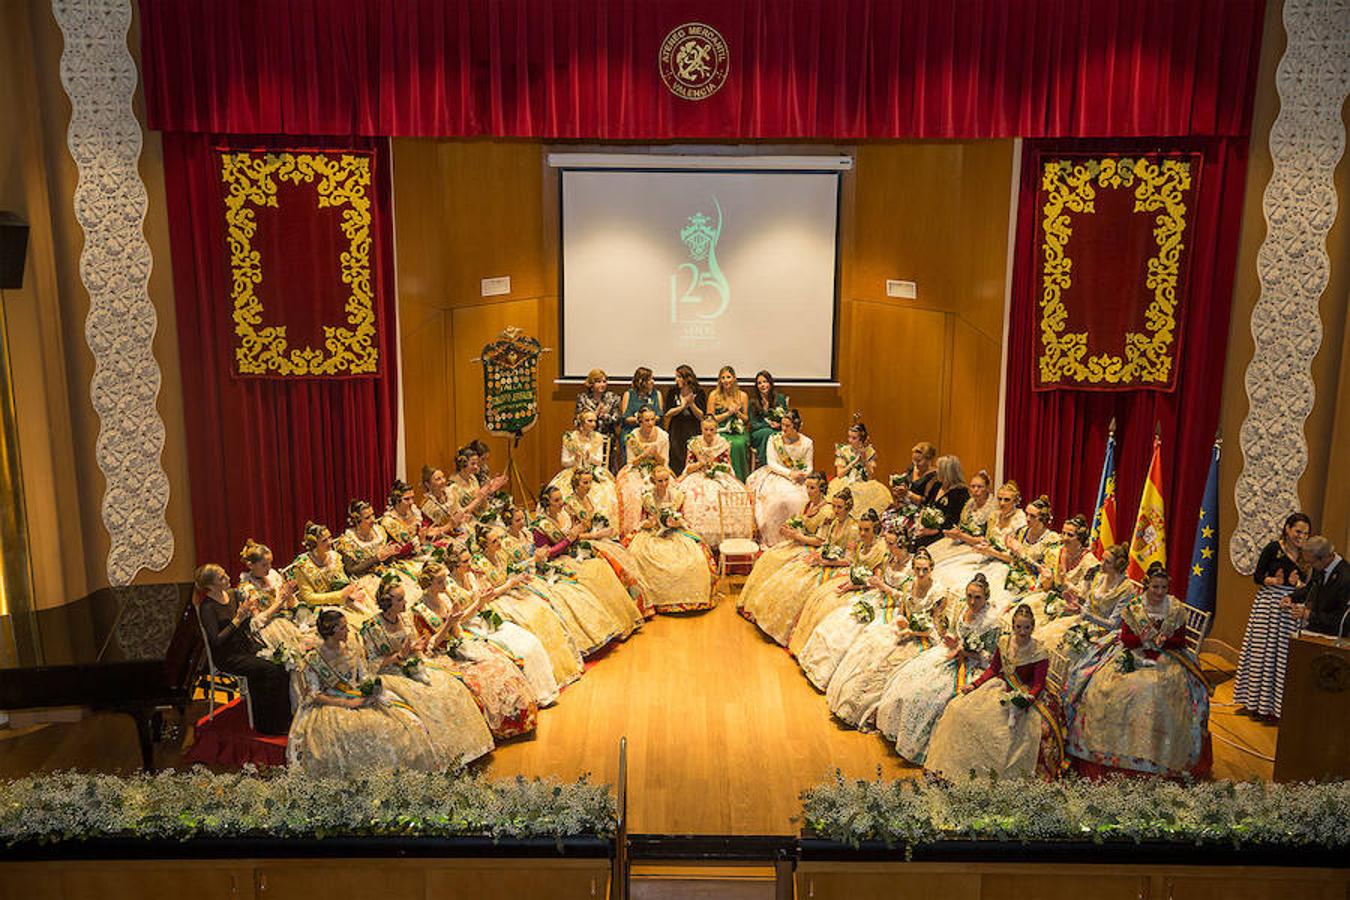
(510, 383)
(298, 228)
(1113, 235)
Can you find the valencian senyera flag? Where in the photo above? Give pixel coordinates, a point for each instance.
(1149, 542)
(1200, 586)
(1104, 528)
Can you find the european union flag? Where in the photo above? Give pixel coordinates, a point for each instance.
(1204, 558)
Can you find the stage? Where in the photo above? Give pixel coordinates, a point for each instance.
(723, 732)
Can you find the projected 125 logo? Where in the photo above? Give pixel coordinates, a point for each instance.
(699, 293)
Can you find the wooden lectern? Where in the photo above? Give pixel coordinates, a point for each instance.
(1314, 741)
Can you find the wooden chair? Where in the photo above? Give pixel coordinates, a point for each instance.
(1197, 626)
(735, 515)
(1059, 672)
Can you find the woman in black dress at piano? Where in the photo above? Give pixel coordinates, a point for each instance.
(686, 404)
(234, 649)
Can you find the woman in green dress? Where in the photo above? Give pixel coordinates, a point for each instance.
(729, 405)
(767, 406)
(642, 393)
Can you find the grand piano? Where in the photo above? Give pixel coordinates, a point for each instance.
(136, 650)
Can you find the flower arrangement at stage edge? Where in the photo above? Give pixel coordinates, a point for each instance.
(909, 812)
(858, 575)
(863, 612)
(931, 517)
(286, 803)
(1077, 639)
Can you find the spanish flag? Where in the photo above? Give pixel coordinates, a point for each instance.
(1149, 543)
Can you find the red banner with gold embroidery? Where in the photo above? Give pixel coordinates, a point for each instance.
(298, 227)
(1112, 235)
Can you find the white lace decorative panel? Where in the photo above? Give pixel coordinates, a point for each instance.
(104, 138)
(1306, 142)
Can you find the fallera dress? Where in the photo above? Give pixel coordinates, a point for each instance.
(852, 470)
(813, 518)
(826, 599)
(897, 635)
(703, 489)
(635, 478)
(784, 594)
(1138, 702)
(588, 454)
(1009, 725)
(919, 691)
(778, 496)
(673, 561)
(836, 633)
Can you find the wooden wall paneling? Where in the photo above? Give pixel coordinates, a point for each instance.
(824, 884)
(971, 430)
(386, 879)
(898, 363)
(157, 878)
(1230, 885)
(979, 243)
(426, 344)
(29, 881)
(480, 880)
(1059, 886)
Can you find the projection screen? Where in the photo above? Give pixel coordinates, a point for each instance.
(703, 267)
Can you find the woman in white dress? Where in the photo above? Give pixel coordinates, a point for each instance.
(707, 476)
(584, 450)
(778, 485)
(648, 446)
(673, 561)
(831, 639)
(908, 623)
(971, 556)
(919, 691)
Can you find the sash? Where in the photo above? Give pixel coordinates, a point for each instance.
(1192, 666)
(1055, 728)
(336, 682)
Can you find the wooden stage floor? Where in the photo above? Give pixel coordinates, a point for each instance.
(723, 732)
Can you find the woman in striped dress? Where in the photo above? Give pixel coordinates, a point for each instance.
(1265, 647)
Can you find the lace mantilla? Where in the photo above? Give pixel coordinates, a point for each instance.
(104, 138)
(1306, 142)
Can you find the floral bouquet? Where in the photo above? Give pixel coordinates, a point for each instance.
(371, 687)
(899, 479)
(669, 518)
(599, 521)
(1019, 699)
(491, 618)
(975, 529)
(831, 552)
(1125, 663)
(582, 551)
(733, 425)
(777, 413)
(921, 622)
(303, 616)
(796, 465)
(550, 571)
(1054, 603)
(715, 469)
(1077, 639)
(521, 566)
(931, 517)
(863, 612)
(280, 655)
(412, 668)
(971, 643)
(858, 575)
(796, 523)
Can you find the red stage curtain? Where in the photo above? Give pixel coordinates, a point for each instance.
(587, 69)
(266, 454)
(1055, 439)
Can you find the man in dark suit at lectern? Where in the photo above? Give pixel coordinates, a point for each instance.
(1324, 602)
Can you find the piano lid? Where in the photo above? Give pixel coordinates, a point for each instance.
(136, 622)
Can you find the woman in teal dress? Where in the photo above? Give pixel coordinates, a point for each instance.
(642, 392)
(764, 400)
(729, 405)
